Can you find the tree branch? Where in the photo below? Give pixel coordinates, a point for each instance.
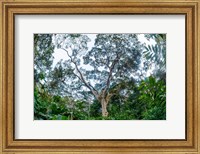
(80, 77)
(110, 73)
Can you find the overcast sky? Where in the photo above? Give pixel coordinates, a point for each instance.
(61, 54)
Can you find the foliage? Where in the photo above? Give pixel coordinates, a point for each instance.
(155, 55)
(153, 97)
(43, 59)
(100, 83)
(145, 101)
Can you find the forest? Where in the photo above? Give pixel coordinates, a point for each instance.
(99, 76)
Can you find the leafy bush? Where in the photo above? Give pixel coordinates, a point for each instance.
(146, 100)
(153, 97)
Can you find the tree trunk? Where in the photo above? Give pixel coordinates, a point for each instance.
(104, 104)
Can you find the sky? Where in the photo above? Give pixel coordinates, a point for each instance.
(61, 54)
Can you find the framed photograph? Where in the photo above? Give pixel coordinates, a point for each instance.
(99, 76)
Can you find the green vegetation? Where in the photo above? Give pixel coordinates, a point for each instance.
(108, 81)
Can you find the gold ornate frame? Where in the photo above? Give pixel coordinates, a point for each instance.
(9, 8)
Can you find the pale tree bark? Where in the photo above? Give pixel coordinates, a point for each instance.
(104, 104)
(104, 100)
(104, 95)
(80, 76)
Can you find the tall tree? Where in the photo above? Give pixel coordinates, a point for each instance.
(43, 58)
(114, 57)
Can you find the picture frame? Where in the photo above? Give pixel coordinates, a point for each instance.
(10, 8)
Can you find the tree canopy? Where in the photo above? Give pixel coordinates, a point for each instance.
(100, 81)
